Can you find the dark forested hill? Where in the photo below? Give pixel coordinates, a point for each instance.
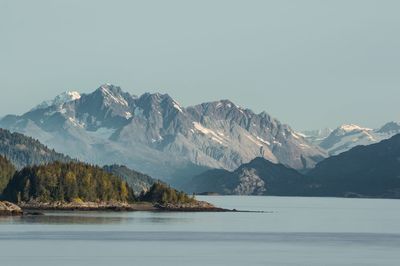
(7, 170)
(258, 177)
(137, 181)
(22, 151)
(370, 171)
(67, 182)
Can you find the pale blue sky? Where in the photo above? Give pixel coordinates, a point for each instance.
(310, 64)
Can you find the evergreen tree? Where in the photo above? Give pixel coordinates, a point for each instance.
(67, 182)
(162, 193)
(7, 170)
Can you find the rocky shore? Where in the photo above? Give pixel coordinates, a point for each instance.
(198, 206)
(84, 206)
(9, 209)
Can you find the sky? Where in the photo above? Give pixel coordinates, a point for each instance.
(310, 64)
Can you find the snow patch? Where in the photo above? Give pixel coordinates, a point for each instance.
(206, 131)
(263, 140)
(128, 115)
(76, 123)
(177, 106)
(352, 127)
(253, 140)
(116, 98)
(277, 143)
(295, 135)
(157, 140)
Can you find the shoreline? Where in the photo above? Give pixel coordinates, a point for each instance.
(200, 206)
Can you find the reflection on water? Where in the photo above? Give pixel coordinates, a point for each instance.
(75, 219)
(364, 239)
(87, 218)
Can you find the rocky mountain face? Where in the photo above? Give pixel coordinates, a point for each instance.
(156, 135)
(346, 137)
(258, 177)
(364, 171)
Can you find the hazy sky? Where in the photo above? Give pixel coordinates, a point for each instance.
(310, 64)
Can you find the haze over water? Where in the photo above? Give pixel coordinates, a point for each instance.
(292, 231)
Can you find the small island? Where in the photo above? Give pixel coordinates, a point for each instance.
(79, 186)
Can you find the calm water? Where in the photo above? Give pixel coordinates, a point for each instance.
(293, 231)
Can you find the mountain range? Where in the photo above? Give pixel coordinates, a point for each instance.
(363, 171)
(236, 151)
(349, 136)
(154, 134)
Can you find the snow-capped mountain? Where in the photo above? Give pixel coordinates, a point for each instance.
(348, 136)
(316, 136)
(60, 99)
(154, 134)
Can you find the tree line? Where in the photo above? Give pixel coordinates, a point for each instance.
(78, 182)
(66, 182)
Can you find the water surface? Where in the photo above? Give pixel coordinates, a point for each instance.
(292, 231)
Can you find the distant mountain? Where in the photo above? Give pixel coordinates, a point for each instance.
(137, 181)
(370, 171)
(258, 177)
(24, 151)
(346, 137)
(154, 134)
(316, 136)
(59, 100)
(363, 171)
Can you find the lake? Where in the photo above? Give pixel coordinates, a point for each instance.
(291, 231)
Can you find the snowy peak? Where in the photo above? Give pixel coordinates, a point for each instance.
(73, 95)
(348, 136)
(223, 110)
(389, 128)
(316, 136)
(222, 105)
(346, 128)
(59, 100)
(113, 95)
